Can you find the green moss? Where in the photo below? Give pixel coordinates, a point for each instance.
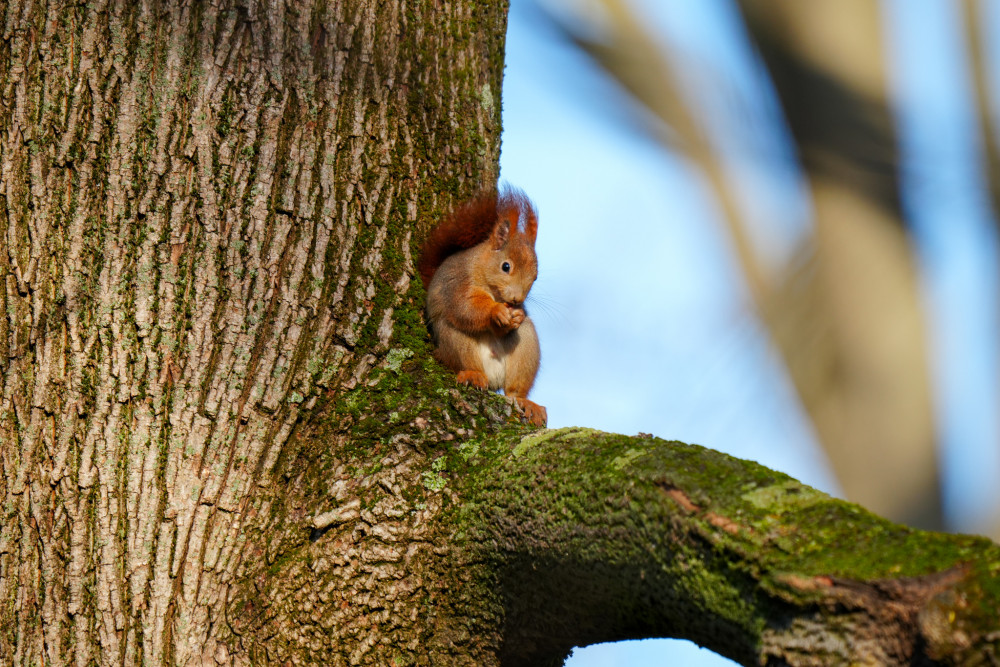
(530, 441)
(781, 495)
(627, 458)
(712, 531)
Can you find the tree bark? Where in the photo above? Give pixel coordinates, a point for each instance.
(207, 212)
(224, 440)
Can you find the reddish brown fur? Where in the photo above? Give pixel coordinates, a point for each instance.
(511, 205)
(466, 226)
(478, 266)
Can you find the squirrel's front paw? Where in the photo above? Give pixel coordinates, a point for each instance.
(502, 317)
(506, 318)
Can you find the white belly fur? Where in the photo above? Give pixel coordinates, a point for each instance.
(494, 361)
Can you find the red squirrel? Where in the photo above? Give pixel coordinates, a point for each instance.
(478, 265)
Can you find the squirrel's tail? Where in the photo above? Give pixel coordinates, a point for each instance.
(466, 226)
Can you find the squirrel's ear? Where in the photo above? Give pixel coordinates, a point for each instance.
(531, 225)
(501, 232)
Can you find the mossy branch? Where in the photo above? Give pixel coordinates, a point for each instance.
(589, 537)
(440, 531)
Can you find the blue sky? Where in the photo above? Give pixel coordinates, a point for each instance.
(644, 323)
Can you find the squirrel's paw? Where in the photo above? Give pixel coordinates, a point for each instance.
(535, 413)
(475, 378)
(505, 318)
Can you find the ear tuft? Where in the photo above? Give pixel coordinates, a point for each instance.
(501, 233)
(515, 205)
(530, 224)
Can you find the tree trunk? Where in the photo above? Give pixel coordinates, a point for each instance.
(207, 211)
(224, 440)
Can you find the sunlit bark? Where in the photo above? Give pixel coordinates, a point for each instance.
(206, 212)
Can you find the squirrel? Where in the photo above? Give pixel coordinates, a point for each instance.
(478, 265)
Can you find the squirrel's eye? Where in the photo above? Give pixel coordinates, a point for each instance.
(506, 267)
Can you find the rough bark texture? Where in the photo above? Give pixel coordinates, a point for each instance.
(206, 212)
(222, 437)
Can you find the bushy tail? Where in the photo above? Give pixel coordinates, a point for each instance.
(469, 224)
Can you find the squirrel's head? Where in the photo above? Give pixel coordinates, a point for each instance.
(513, 266)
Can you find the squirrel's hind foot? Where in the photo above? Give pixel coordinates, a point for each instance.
(535, 413)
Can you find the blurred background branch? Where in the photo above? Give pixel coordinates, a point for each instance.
(846, 308)
(972, 23)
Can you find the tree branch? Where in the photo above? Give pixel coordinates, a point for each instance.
(445, 533)
(592, 537)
